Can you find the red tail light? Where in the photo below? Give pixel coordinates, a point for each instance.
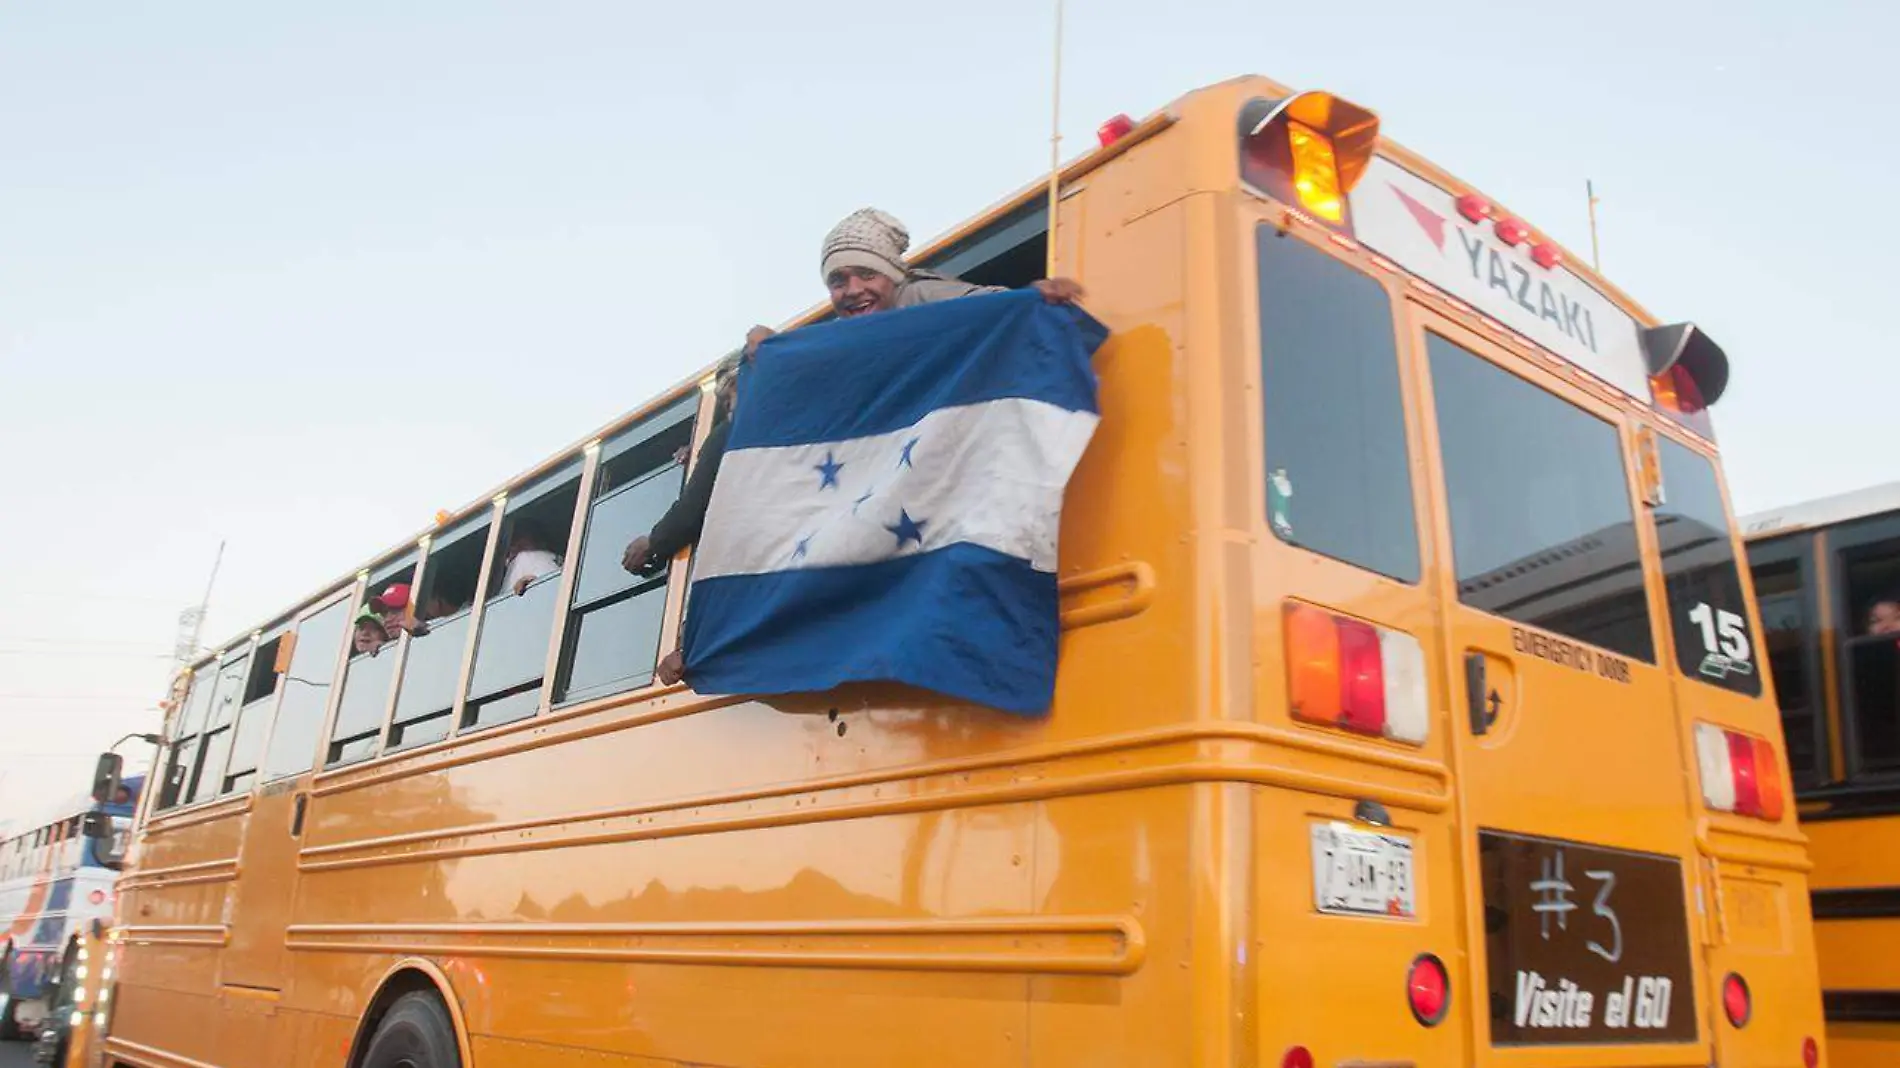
(1362, 679)
(1114, 130)
(1346, 673)
(1740, 773)
(1428, 989)
(1810, 1053)
(1736, 1004)
(1297, 1057)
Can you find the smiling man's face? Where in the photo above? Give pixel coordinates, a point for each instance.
(860, 291)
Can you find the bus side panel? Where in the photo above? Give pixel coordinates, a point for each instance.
(1859, 948)
(172, 919)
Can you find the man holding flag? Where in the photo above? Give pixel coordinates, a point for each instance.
(862, 263)
(889, 503)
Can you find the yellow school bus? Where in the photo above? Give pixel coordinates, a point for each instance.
(1820, 569)
(1406, 711)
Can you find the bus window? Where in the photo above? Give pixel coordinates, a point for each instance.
(320, 643)
(1542, 526)
(511, 651)
(1338, 478)
(1868, 562)
(367, 678)
(215, 744)
(433, 664)
(1789, 625)
(613, 637)
(253, 719)
(184, 740)
(1706, 609)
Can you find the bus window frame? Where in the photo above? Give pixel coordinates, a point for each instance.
(675, 579)
(1800, 548)
(326, 723)
(580, 473)
(1587, 398)
(412, 562)
(1840, 541)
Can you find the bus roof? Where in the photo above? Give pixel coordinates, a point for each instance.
(1823, 512)
(934, 252)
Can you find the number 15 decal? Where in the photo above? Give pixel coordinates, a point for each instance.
(1725, 645)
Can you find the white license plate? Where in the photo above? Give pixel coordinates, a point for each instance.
(1362, 873)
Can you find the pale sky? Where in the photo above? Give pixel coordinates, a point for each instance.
(297, 279)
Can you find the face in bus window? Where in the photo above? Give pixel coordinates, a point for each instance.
(1884, 618)
(860, 291)
(370, 636)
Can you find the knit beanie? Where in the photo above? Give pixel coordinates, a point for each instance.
(866, 238)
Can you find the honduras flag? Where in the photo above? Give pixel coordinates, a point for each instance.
(888, 504)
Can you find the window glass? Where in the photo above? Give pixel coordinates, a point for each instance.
(514, 641)
(1707, 611)
(518, 621)
(616, 647)
(613, 634)
(359, 713)
(1871, 569)
(617, 517)
(182, 757)
(1543, 530)
(320, 643)
(246, 745)
(204, 685)
(1873, 676)
(212, 751)
(230, 694)
(1788, 624)
(1338, 477)
(263, 676)
(429, 676)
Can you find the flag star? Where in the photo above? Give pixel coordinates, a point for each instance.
(907, 529)
(803, 548)
(904, 460)
(828, 471)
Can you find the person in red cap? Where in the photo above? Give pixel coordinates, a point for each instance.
(393, 605)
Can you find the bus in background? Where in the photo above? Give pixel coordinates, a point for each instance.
(1824, 572)
(1407, 709)
(54, 881)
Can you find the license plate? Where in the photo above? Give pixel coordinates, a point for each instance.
(1584, 944)
(1362, 873)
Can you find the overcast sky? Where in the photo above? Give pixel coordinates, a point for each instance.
(296, 279)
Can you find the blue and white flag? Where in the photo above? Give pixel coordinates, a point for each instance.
(889, 501)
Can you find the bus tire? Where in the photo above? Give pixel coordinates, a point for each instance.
(415, 1033)
(9, 1007)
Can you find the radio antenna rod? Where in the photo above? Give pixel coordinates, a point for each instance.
(1596, 260)
(1055, 144)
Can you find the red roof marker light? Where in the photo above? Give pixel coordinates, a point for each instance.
(1474, 208)
(1512, 232)
(1114, 130)
(1545, 255)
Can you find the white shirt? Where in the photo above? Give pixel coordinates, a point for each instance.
(529, 564)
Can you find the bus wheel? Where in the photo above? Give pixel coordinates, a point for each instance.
(9, 1022)
(416, 1033)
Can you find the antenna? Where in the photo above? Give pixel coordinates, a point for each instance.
(1055, 143)
(1596, 260)
(191, 622)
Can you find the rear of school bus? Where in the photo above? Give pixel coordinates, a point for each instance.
(1406, 716)
(1522, 794)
